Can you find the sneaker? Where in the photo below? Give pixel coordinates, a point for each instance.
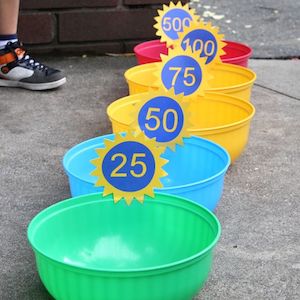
(18, 69)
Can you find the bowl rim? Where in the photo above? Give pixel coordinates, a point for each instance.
(138, 50)
(228, 127)
(225, 157)
(247, 55)
(182, 203)
(222, 66)
(220, 98)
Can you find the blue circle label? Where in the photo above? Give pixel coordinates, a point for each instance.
(174, 21)
(203, 41)
(129, 166)
(161, 118)
(183, 73)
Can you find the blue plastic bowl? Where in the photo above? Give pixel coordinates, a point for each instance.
(195, 171)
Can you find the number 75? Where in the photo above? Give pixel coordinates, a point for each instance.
(189, 77)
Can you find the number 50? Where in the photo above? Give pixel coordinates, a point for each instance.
(151, 116)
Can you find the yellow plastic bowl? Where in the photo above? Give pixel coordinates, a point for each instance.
(228, 79)
(218, 117)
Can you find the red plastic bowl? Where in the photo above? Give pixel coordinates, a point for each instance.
(236, 53)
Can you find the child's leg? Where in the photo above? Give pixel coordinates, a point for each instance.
(17, 68)
(9, 11)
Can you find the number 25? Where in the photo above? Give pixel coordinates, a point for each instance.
(134, 162)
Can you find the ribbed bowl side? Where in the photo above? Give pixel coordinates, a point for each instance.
(65, 284)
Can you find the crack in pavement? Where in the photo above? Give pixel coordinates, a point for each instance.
(278, 92)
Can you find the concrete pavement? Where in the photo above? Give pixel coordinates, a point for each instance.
(271, 27)
(258, 256)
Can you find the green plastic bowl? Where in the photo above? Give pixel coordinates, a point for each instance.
(90, 248)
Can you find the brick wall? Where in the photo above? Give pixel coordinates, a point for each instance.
(87, 26)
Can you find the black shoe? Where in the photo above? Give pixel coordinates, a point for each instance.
(18, 69)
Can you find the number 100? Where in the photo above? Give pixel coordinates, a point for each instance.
(208, 47)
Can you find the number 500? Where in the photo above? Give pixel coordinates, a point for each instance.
(175, 23)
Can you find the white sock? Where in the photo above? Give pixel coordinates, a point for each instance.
(3, 43)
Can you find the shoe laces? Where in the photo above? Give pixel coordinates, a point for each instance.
(24, 57)
(29, 61)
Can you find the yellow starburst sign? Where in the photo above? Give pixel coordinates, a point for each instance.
(163, 116)
(184, 71)
(172, 20)
(129, 167)
(203, 38)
